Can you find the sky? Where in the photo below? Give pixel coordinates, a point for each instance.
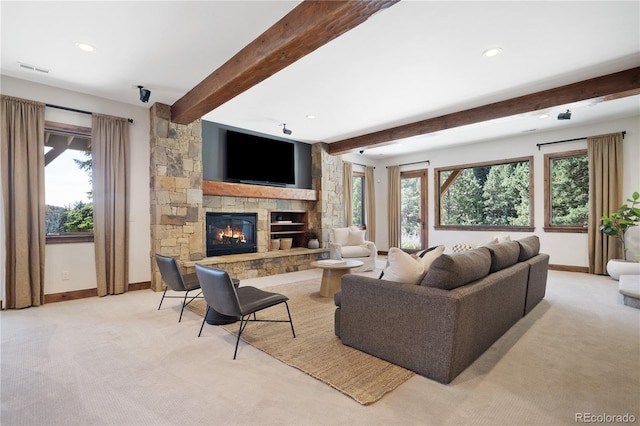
(65, 183)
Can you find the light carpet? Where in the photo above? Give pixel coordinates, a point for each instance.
(316, 350)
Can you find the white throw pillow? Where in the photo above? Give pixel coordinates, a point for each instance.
(340, 235)
(356, 238)
(402, 267)
(429, 257)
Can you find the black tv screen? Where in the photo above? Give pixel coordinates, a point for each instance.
(257, 159)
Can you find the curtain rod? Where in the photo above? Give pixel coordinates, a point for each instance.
(415, 162)
(569, 140)
(130, 120)
(363, 165)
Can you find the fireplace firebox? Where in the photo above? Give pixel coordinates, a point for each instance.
(231, 233)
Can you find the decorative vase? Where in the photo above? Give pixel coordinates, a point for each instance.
(275, 244)
(313, 243)
(285, 243)
(617, 267)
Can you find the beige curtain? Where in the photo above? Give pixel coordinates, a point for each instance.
(605, 196)
(22, 141)
(347, 185)
(110, 150)
(370, 202)
(394, 206)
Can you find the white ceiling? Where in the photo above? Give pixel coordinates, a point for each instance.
(413, 61)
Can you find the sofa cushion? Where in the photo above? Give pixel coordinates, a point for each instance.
(529, 247)
(452, 271)
(355, 251)
(503, 255)
(402, 267)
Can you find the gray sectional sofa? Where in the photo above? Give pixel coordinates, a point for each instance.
(464, 303)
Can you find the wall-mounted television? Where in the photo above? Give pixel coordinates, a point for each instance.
(256, 159)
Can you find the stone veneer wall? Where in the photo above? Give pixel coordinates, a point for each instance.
(177, 218)
(178, 206)
(326, 178)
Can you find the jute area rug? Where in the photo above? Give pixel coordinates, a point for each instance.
(316, 350)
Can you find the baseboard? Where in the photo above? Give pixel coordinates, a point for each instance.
(569, 268)
(91, 292)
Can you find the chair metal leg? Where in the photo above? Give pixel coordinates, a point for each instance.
(243, 324)
(203, 319)
(161, 300)
(290, 321)
(184, 303)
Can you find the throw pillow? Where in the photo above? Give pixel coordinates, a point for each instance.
(340, 235)
(460, 247)
(356, 238)
(403, 268)
(427, 258)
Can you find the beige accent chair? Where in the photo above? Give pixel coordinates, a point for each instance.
(349, 243)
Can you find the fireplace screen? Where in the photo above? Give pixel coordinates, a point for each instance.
(231, 233)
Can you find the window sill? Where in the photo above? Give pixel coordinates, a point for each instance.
(484, 228)
(566, 229)
(70, 238)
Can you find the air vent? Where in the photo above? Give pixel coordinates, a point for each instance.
(33, 68)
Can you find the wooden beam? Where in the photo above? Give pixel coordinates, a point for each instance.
(309, 26)
(611, 86)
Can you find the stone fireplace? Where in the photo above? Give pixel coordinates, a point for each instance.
(231, 233)
(180, 201)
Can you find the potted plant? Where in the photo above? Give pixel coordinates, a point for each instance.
(311, 238)
(616, 225)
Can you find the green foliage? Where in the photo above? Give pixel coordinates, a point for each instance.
(570, 191)
(79, 218)
(616, 224)
(357, 184)
(490, 195)
(410, 213)
(54, 219)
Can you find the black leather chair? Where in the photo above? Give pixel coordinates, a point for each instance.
(175, 281)
(222, 296)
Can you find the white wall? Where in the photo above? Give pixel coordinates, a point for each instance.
(78, 259)
(564, 248)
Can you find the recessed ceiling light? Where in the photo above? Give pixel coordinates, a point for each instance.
(311, 117)
(492, 52)
(86, 47)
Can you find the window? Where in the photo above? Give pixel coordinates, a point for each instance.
(68, 191)
(566, 192)
(413, 208)
(357, 199)
(486, 196)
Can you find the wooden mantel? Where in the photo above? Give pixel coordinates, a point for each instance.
(212, 187)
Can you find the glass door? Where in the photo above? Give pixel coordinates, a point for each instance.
(413, 210)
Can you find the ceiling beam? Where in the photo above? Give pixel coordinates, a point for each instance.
(607, 87)
(309, 26)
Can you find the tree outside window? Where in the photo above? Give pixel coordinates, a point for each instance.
(68, 191)
(567, 191)
(486, 196)
(357, 199)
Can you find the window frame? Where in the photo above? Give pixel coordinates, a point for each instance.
(548, 226)
(68, 237)
(517, 228)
